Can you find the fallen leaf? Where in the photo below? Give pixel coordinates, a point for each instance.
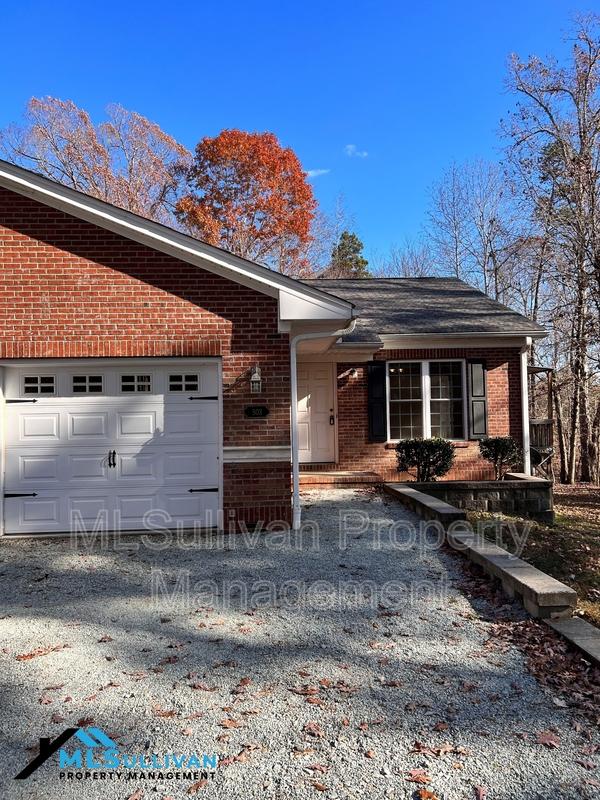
(136, 795)
(164, 712)
(313, 729)
(41, 651)
(85, 721)
(195, 787)
(418, 776)
(320, 787)
(548, 739)
(56, 718)
(370, 754)
(440, 726)
(230, 723)
(322, 768)
(425, 794)
(480, 792)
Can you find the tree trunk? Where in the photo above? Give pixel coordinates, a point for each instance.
(560, 435)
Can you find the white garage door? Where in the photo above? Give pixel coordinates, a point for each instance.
(96, 445)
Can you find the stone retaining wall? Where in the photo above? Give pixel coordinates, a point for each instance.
(518, 494)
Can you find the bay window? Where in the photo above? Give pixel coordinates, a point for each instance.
(426, 398)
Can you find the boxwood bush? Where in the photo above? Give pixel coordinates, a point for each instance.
(501, 451)
(431, 458)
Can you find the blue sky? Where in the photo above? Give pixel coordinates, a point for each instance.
(410, 86)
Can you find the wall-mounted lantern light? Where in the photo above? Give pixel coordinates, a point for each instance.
(255, 381)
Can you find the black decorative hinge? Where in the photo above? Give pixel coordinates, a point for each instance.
(193, 491)
(20, 494)
(195, 397)
(32, 400)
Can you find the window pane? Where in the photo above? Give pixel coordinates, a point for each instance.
(406, 420)
(447, 419)
(38, 384)
(405, 401)
(446, 399)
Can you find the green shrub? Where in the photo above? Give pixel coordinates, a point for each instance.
(502, 451)
(431, 458)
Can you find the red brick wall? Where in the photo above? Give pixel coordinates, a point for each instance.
(71, 289)
(268, 501)
(504, 412)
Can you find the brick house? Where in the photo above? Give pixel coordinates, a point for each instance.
(146, 377)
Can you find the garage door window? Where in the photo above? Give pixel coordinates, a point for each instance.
(38, 384)
(136, 383)
(183, 383)
(87, 384)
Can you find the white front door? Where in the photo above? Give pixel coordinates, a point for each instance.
(95, 445)
(316, 413)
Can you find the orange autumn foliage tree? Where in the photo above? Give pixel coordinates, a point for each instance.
(250, 195)
(126, 160)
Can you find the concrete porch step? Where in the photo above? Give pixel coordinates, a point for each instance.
(338, 478)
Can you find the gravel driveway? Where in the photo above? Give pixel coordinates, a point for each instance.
(317, 691)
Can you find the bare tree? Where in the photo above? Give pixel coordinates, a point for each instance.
(555, 139)
(413, 259)
(126, 160)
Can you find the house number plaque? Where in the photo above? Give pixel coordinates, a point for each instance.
(256, 412)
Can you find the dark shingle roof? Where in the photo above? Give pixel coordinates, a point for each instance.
(424, 306)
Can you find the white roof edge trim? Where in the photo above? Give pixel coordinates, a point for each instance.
(484, 334)
(132, 226)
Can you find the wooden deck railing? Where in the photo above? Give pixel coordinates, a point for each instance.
(541, 433)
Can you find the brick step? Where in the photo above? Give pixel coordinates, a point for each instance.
(340, 478)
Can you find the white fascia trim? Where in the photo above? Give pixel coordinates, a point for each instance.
(109, 361)
(399, 340)
(162, 238)
(259, 454)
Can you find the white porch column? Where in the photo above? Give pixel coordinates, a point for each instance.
(525, 408)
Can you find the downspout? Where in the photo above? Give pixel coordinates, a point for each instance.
(525, 409)
(301, 337)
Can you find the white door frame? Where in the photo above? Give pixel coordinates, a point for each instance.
(333, 377)
(107, 362)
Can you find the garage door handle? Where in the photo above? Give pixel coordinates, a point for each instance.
(112, 458)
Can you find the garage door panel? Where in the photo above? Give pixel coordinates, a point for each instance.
(186, 509)
(198, 420)
(138, 425)
(39, 427)
(87, 467)
(196, 468)
(140, 466)
(84, 426)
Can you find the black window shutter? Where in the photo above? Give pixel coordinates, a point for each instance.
(477, 388)
(377, 400)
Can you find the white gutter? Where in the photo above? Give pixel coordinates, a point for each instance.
(525, 409)
(300, 337)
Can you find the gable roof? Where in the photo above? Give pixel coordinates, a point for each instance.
(425, 307)
(297, 300)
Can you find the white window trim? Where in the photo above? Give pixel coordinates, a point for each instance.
(137, 374)
(38, 375)
(426, 395)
